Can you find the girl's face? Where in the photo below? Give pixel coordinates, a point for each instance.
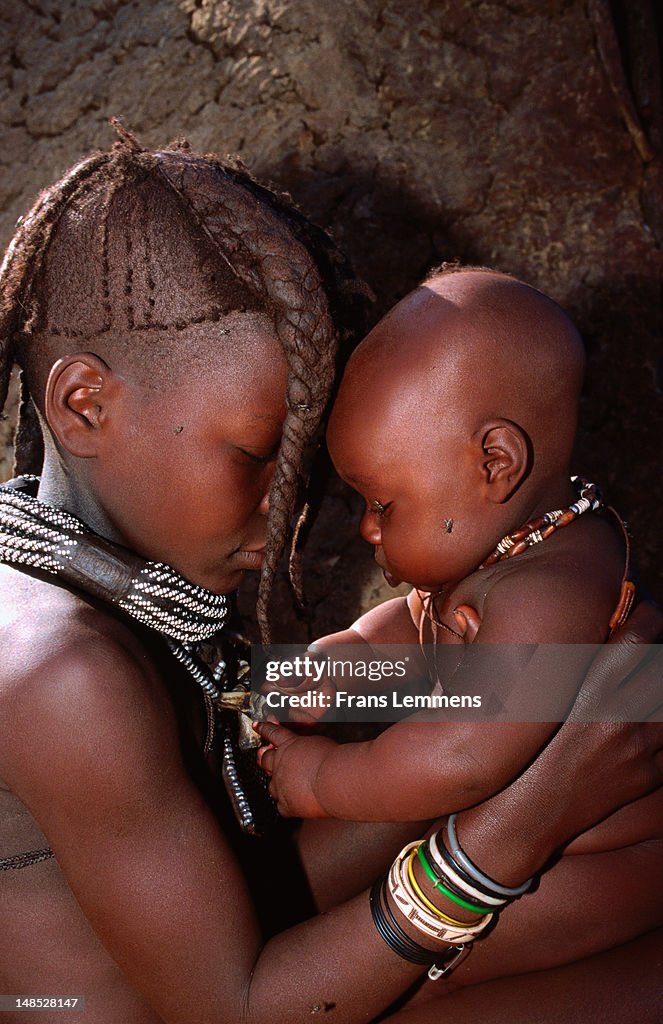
(185, 473)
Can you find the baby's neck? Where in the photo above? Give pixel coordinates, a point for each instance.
(555, 506)
(555, 493)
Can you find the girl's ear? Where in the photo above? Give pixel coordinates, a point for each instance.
(505, 459)
(78, 392)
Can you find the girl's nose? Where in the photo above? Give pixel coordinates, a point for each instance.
(263, 507)
(369, 528)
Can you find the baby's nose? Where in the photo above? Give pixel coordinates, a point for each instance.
(369, 528)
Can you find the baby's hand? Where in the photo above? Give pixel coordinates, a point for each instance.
(293, 763)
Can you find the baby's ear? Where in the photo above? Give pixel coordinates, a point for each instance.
(505, 456)
(78, 391)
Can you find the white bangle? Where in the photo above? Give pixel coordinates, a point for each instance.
(446, 869)
(411, 907)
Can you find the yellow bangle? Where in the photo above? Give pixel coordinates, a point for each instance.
(431, 906)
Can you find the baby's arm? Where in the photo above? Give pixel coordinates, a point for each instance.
(371, 637)
(413, 771)
(422, 768)
(364, 641)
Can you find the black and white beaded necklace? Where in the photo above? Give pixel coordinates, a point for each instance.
(37, 535)
(40, 536)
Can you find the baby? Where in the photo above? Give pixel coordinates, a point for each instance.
(456, 421)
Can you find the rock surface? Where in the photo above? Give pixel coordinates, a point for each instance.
(480, 131)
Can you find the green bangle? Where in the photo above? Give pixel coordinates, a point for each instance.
(447, 892)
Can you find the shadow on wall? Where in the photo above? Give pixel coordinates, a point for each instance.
(393, 239)
(620, 438)
(392, 236)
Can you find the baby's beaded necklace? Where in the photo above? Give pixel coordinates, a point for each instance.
(535, 531)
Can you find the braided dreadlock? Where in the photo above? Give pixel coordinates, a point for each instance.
(94, 259)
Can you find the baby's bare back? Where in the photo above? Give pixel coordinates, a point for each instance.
(606, 882)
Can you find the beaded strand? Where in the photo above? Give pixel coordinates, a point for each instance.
(539, 529)
(37, 535)
(41, 536)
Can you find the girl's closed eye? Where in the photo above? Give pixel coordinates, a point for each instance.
(260, 459)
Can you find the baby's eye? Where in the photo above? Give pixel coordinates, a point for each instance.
(379, 509)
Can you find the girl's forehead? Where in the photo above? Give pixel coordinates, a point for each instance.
(218, 381)
(217, 405)
(254, 374)
(236, 347)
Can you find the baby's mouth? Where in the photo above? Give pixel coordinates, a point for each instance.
(391, 579)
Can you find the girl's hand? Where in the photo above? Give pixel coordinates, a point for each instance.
(608, 753)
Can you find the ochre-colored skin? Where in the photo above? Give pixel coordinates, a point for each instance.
(145, 911)
(461, 405)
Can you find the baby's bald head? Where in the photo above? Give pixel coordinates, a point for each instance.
(473, 345)
(457, 415)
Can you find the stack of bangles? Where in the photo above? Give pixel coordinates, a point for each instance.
(452, 873)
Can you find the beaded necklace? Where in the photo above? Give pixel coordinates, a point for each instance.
(189, 618)
(539, 529)
(40, 536)
(535, 531)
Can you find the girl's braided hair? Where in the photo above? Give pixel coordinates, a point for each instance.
(79, 267)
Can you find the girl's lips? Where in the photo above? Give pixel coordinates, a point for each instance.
(251, 559)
